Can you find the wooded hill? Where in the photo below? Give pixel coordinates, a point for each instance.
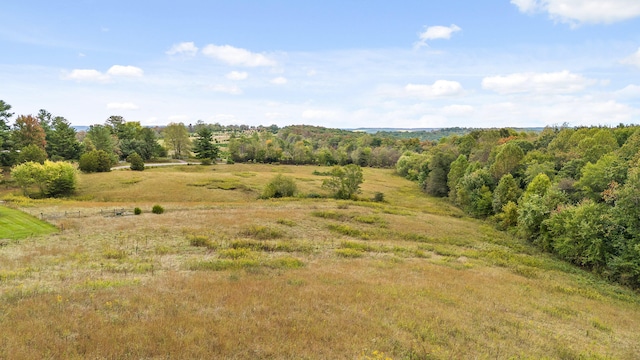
(572, 191)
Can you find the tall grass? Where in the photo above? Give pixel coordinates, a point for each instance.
(224, 275)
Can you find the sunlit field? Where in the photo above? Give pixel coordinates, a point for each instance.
(222, 274)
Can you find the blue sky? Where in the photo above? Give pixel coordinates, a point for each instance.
(347, 64)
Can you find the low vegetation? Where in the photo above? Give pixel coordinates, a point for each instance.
(403, 278)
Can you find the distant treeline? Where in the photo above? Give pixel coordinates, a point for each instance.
(574, 192)
(304, 144)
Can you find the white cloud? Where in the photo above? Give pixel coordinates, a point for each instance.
(129, 71)
(582, 11)
(92, 75)
(457, 110)
(233, 90)
(557, 82)
(122, 106)
(633, 59)
(435, 33)
(316, 114)
(183, 48)
(86, 75)
(628, 92)
(279, 80)
(237, 75)
(237, 56)
(438, 89)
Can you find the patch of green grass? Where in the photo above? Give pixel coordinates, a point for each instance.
(243, 263)
(329, 214)
(107, 284)
(349, 253)
(262, 232)
(286, 222)
(17, 225)
(349, 231)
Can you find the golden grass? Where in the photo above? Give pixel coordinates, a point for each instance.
(223, 275)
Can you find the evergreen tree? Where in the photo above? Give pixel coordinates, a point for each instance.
(204, 147)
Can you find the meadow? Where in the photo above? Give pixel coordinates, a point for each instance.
(222, 274)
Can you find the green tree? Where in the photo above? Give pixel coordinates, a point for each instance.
(102, 139)
(136, 161)
(95, 161)
(204, 147)
(5, 115)
(474, 193)
(439, 165)
(62, 143)
(506, 191)
(32, 153)
(582, 234)
(508, 158)
(345, 181)
(457, 170)
(597, 177)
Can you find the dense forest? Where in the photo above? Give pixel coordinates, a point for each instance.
(574, 192)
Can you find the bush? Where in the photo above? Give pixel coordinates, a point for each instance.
(137, 211)
(157, 209)
(51, 178)
(378, 197)
(280, 186)
(137, 164)
(95, 161)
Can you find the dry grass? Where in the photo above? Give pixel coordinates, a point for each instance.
(223, 275)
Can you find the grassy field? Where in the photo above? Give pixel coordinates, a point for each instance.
(16, 225)
(223, 275)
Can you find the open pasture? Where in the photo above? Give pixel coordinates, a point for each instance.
(222, 274)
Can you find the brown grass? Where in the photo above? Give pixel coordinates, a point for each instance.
(223, 275)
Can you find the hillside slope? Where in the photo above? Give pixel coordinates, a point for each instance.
(222, 275)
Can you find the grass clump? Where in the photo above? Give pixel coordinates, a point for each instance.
(137, 211)
(349, 231)
(286, 222)
(262, 232)
(285, 263)
(201, 241)
(114, 254)
(349, 253)
(328, 214)
(239, 253)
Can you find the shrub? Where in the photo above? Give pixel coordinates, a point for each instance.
(95, 161)
(344, 182)
(262, 232)
(52, 178)
(200, 241)
(378, 197)
(137, 164)
(280, 186)
(137, 211)
(157, 209)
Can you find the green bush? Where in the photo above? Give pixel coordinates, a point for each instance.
(378, 197)
(95, 161)
(137, 164)
(157, 209)
(137, 211)
(280, 186)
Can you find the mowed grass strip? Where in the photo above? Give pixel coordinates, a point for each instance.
(16, 225)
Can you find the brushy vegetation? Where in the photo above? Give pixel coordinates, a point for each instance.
(227, 276)
(570, 191)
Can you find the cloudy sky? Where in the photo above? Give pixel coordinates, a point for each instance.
(346, 64)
